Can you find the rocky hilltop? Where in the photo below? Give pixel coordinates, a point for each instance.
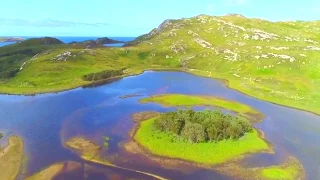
(275, 59)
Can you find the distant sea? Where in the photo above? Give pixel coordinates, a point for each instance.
(66, 39)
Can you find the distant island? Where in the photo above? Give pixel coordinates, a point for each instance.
(11, 39)
(96, 43)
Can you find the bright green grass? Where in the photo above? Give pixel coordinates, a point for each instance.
(193, 100)
(288, 173)
(163, 144)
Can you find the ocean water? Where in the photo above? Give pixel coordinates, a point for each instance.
(69, 39)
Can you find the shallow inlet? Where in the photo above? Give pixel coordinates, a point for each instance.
(46, 121)
(6, 43)
(114, 45)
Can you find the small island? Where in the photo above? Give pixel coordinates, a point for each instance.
(96, 43)
(86, 148)
(207, 137)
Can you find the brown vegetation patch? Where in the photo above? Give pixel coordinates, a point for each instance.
(255, 117)
(11, 158)
(137, 117)
(83, 146)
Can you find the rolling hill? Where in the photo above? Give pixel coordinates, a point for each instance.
(273, 61)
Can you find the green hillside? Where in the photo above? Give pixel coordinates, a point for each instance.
(13, 56)
(274, 61)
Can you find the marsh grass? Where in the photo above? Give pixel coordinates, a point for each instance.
(195, 100)
(289, 172)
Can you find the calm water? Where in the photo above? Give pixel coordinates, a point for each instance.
(6, 43)
(78, 39)
(114, 45)
(46, 121)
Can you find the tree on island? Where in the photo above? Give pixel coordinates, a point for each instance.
(203, 126)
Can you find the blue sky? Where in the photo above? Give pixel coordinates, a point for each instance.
(133, 17)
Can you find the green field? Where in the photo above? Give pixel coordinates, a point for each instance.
(165, 144)
(273, 61)
(193, 100)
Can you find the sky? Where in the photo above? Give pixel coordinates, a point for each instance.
(131, 18)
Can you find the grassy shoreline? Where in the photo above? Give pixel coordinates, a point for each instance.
(203, 153)
(230, 83)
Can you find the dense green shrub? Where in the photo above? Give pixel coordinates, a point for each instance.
(102, 75)
(170, 122)
(203, 126)
(194, 132)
